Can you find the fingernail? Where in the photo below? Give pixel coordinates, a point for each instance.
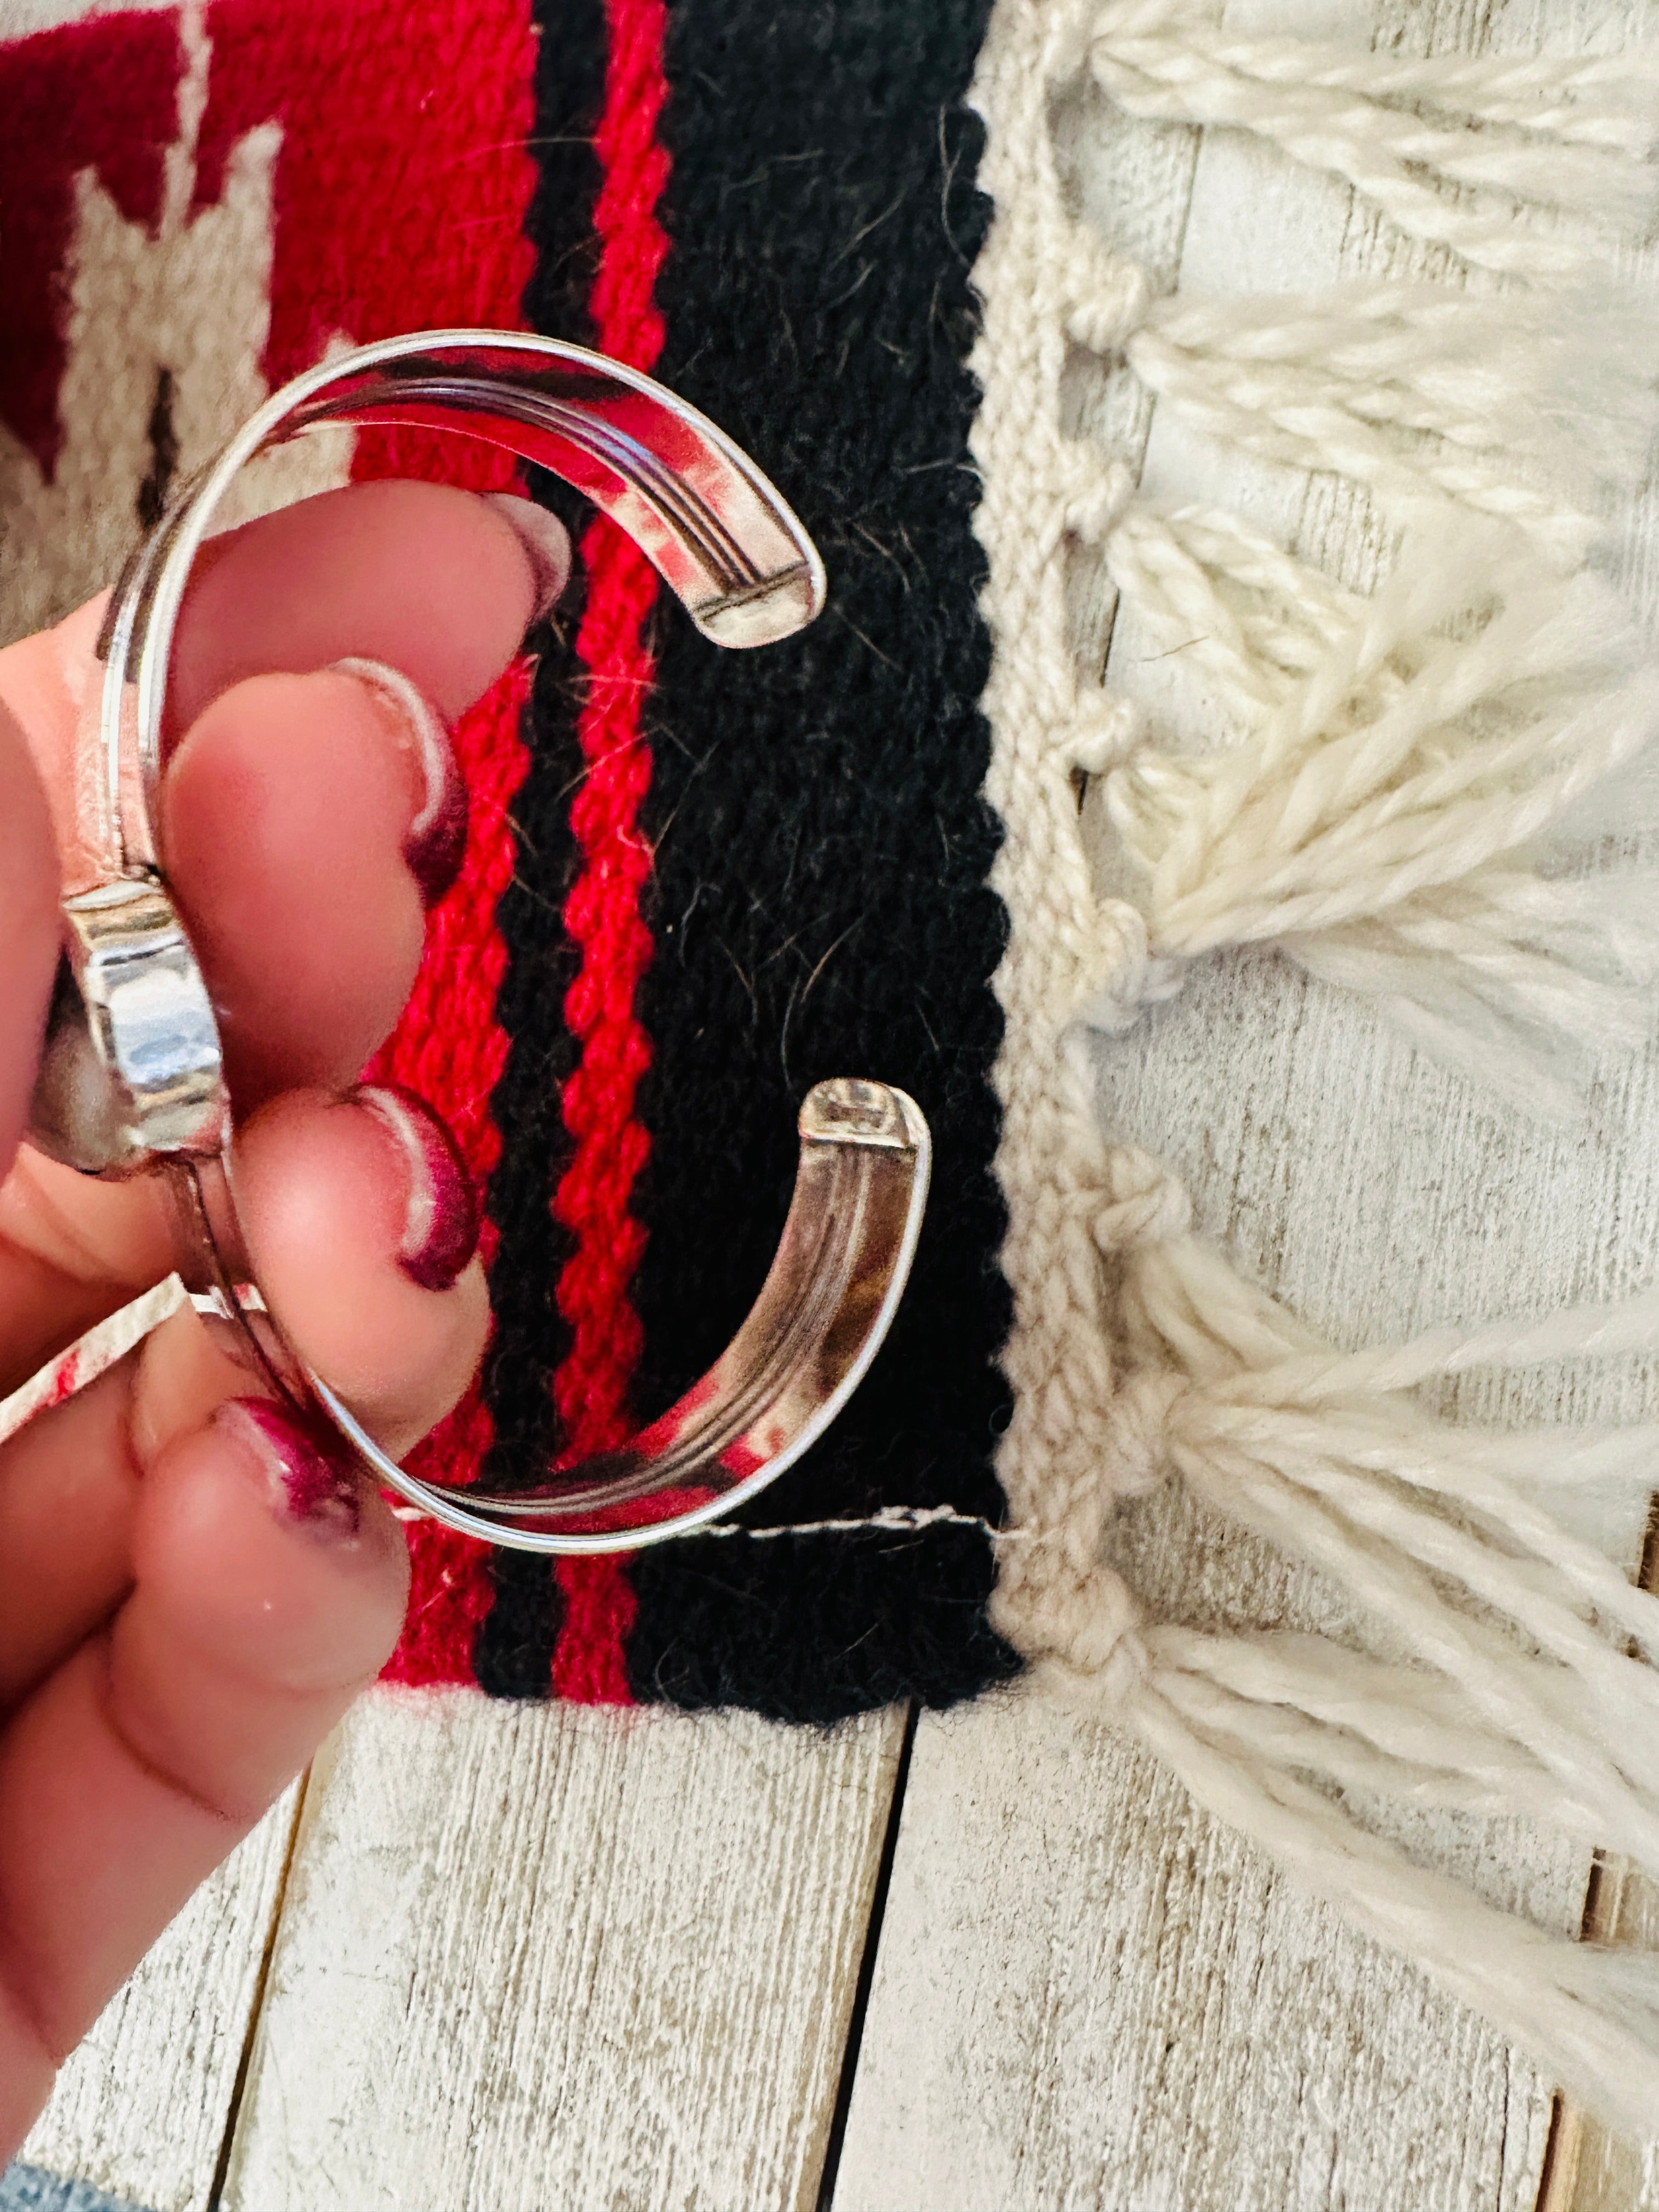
(436, 841)
(307, 1482)
(543, 537)
(440, 1229)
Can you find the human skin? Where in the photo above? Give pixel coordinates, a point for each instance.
(190, 1592)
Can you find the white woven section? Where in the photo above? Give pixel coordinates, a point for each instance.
(1396, 761)
(138, 301)
(1063, 951)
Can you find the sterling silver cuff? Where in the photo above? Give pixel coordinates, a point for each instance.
(131, 1079)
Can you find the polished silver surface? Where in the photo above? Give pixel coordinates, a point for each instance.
(130, 1065)
(832, 1290)
(720, 535)
(132, 1077)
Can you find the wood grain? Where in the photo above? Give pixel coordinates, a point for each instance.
(1089, 1995)
(536, 1956)
(141, 2109)
(1087, 1992)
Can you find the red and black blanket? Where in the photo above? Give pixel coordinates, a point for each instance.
(698, 883)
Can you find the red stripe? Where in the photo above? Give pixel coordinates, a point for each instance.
(602, 911)
(450, 1047)
(66, 1378)
(402, 187)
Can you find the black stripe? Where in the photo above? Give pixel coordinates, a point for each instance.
(513, 1654)
(819, 903)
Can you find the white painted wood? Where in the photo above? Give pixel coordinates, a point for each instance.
(1089, 1995)
(534, 1956)
(1086, 1993)
(142, 2108)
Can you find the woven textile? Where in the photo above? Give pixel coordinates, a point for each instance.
(697, 882)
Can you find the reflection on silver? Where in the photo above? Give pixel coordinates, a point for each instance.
(132, 1077)
(130, 1067)
(820, 1315)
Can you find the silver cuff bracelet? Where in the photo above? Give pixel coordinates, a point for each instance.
(131, 1080)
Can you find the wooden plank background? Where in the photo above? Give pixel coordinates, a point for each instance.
(548, 1955)
(526, 1957)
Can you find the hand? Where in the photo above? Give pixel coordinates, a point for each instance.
(192, 1588)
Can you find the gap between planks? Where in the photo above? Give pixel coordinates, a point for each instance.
(1587, 2168)
(140, 2107)
(262, 1981)
(854, 2045)
(722, 1879)
(543, 1954)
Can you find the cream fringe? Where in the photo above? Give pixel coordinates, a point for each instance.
(1518, 135)
(1400, 763)
(1374, 823)
(1524, 407)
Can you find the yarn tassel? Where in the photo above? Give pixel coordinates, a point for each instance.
(1380, 821)
(1515, 1682)
(1587, 2014)
(1526, 406)
(1458, 150)
(1251, 618)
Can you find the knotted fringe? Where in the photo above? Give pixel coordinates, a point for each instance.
(1516, 1682)
(1524, 408)
(1514, 412)
(1406, 754)
(1521, 406)
(1396, 767)
(1518, 139)
(1511, 1686)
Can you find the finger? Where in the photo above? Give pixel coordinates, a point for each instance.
(436, 582)
(29, 930)
(70, 1484)
(292, 821)
(362, 1226)
(268, 1589)
(294, 857)
(71, 1253)
(68, 1490)
(440, 583)
(287, 822)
